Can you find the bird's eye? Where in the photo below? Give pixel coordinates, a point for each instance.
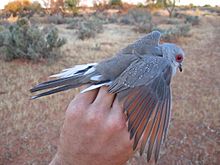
(179, 58)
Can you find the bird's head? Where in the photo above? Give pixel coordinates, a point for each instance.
(174, 53)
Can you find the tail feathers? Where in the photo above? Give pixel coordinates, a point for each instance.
(58, 89)
(74, 80)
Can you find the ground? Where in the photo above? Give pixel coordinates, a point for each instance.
(30, 129)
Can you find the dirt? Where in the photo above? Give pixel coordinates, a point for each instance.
(30, 130)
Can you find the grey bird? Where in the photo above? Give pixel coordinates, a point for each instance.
(140, 75)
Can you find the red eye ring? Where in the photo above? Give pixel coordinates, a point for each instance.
(179, 58)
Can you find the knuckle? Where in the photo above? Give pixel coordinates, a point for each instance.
(115, 125)
(75, 109)
(93, 118)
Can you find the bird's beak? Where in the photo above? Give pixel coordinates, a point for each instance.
(180, 67)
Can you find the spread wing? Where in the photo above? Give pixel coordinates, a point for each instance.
(147, 44)
(146, 97)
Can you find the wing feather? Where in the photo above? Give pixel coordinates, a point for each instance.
(155, 129)
(161, 129)
(148, 108)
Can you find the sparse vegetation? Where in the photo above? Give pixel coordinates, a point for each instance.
(86, 27)
(173, 21)
(31, 128)
(140, 19)
(89, 28)
(22, 40)
(174, 33)
(56, 19)
(194, 20)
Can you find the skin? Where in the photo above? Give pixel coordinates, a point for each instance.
(94, 131)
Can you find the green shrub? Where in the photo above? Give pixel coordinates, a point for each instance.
(23, 40)
(140, 5)
(113, 18)
(86, 27)
(5, 23)
(115, 3)
(75, 23)
(89, 28)
(173, 21)
(143, 28)
(141, 19)
(136, 16)
(102, 16)
(183, 30)
(207, 5)
(85, 33)
(194, 20)
(56, 19)
(13, 7)
(72, 5)
(23, 8)
(173, 34)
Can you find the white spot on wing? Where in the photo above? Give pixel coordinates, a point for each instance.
(89, 71)
(96, 78)
(95, 87)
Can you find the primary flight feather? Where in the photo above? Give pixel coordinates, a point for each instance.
(140, 75)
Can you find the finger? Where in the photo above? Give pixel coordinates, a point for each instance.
(116, 120)
(87, 98)
(117, 109)
(104, 98)
(117, 112)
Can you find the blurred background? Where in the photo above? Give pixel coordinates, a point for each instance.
(40, 38)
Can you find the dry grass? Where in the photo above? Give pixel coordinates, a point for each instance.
(30, 129)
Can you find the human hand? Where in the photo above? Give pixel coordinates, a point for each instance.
(94, 131)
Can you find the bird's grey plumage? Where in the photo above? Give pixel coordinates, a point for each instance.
(147, 44)
(140, 75)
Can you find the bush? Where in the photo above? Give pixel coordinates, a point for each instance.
(173, 34)
(89, 28)
(56, 19)
(5, 23)
(207, 5)
(23, 40)
(13, 7)
(85, 33)
(23, 8)
(115, 3)
(86, 27)
(136, 16)
(75, 23)
(143, 28)
(72, 5)
(173, 21)
(102, 16)
(194, 20)
(141, 19)
(36, 7)
(113, 18)
(140, 5)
